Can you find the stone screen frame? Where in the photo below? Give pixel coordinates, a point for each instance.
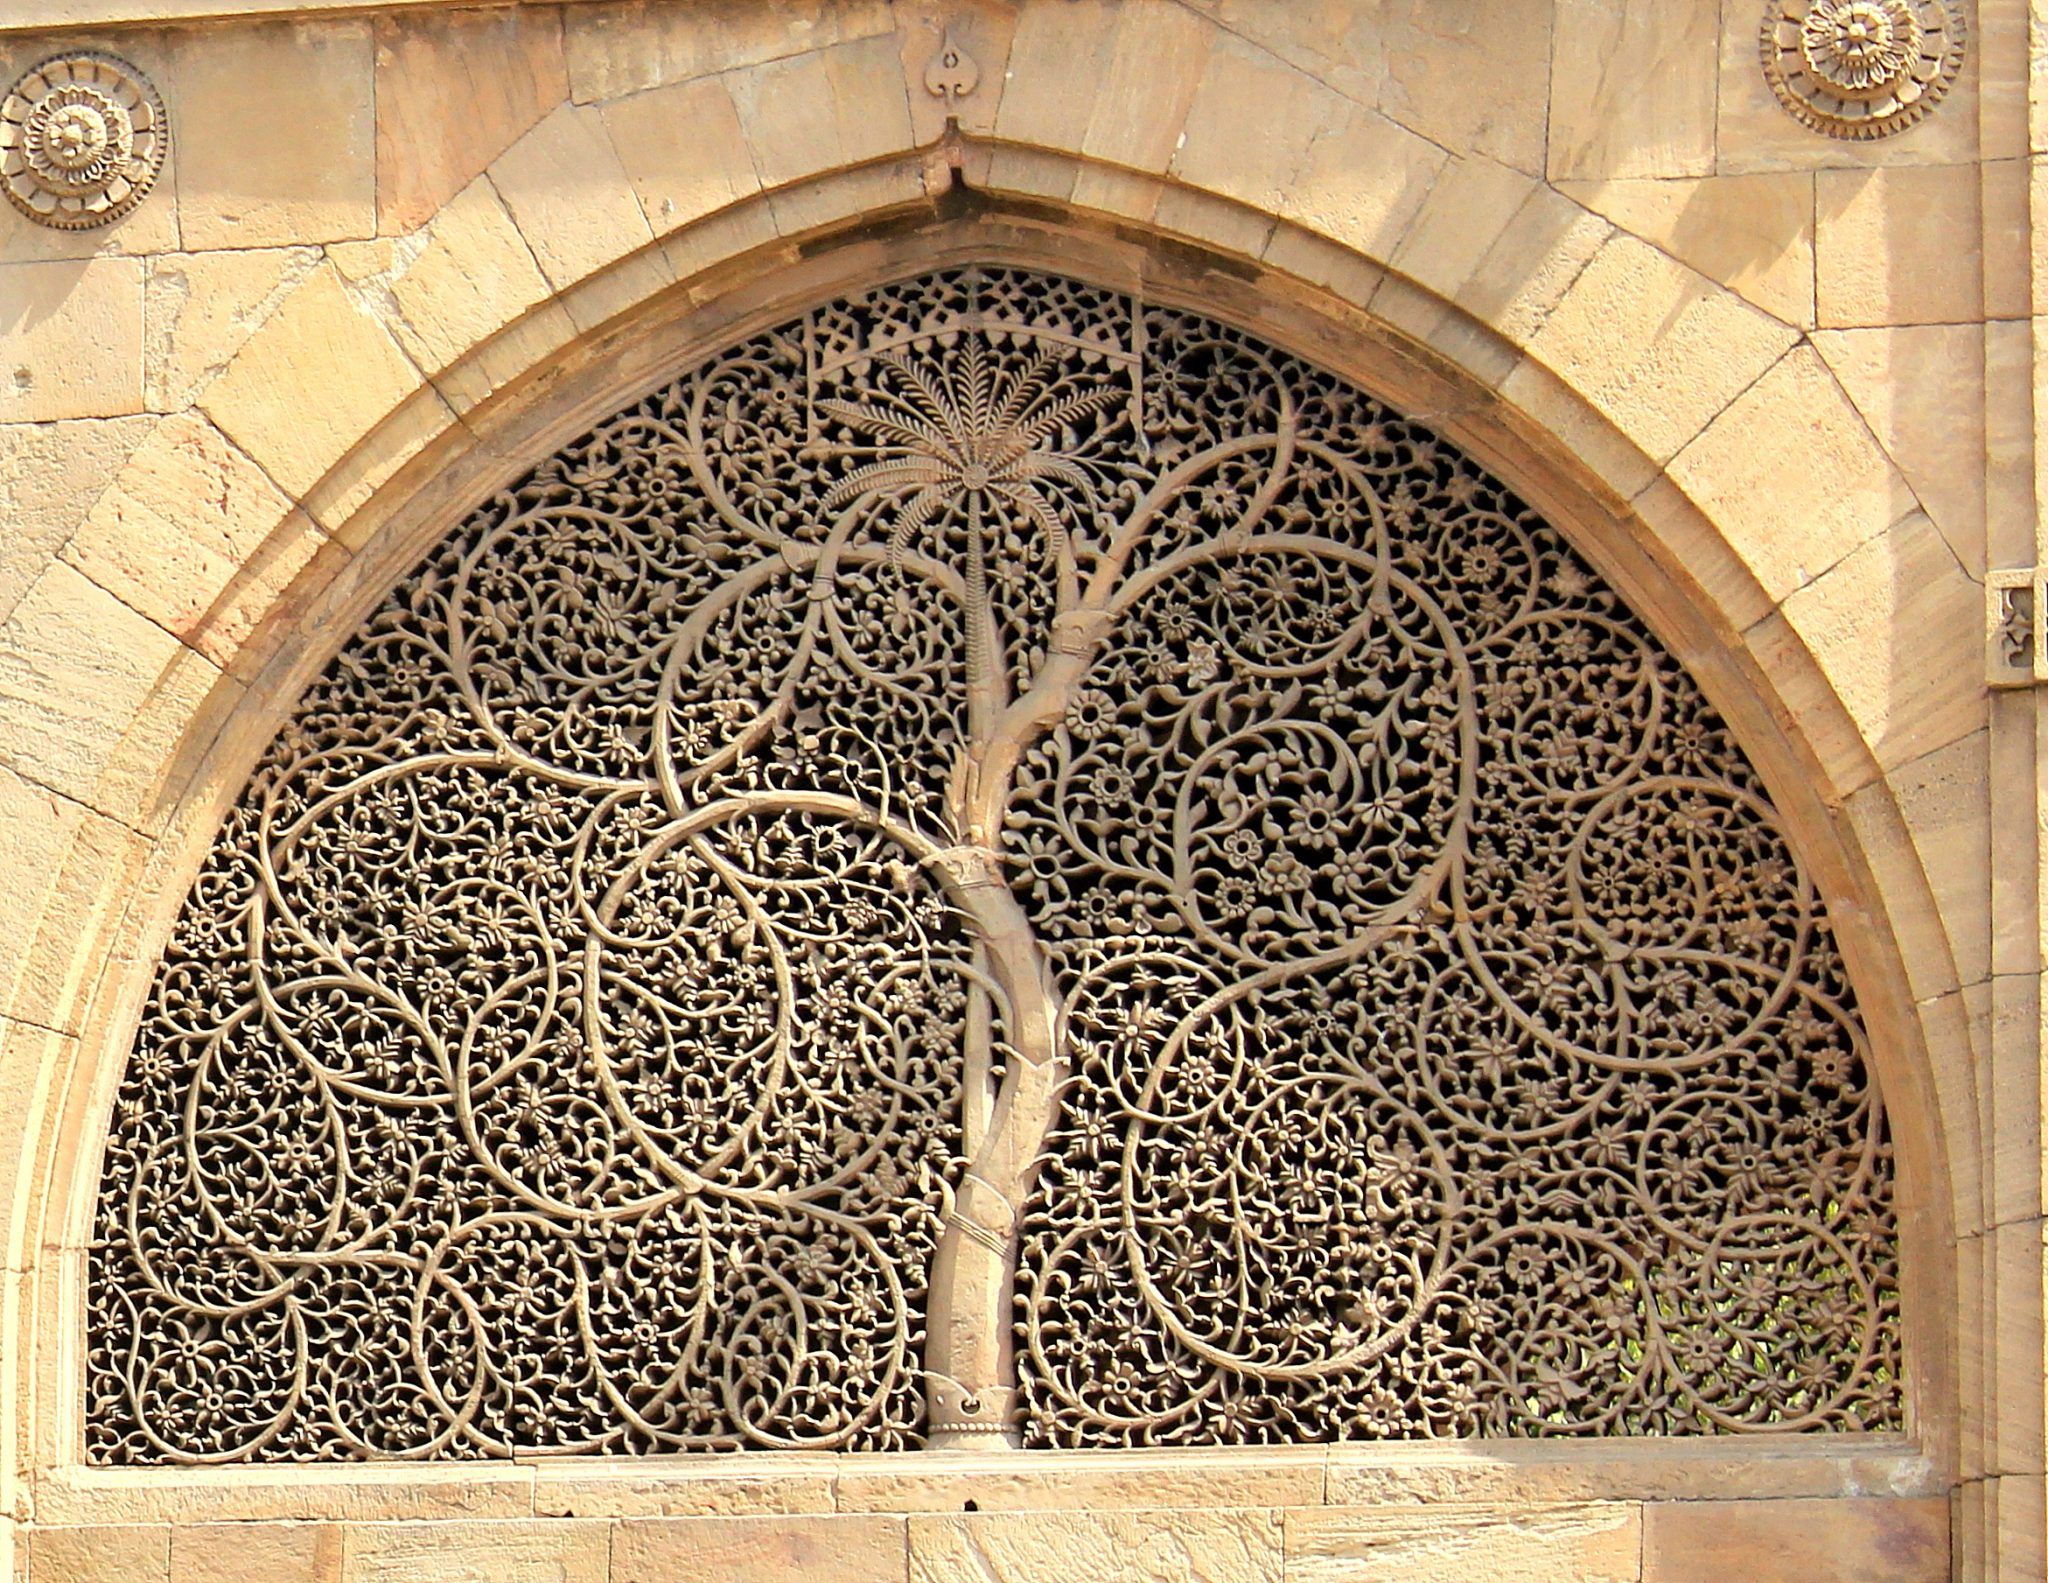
(1626, 1485)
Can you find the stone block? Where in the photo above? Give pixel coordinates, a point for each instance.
(678, 1486)
(1792, 475)
(1921, 390)
(101, 1553)
(1100, 1481)
(450, 289)
(1157, 58)
(188, 523)
(1059, 58)
(1206, 1546)
(823, 110)
(615, 49)
(1249, 128)
(1632, 89)
(50, 475)
(46, 837)
(306, 388)
(1656, 346)
(256, 1553)
(1596, 1543)
(504, 67)
(570, 198)
(1753, 234)
(1893, 627)
(199, 309)
(76, 667)
(981, 31)
(542, 1550)
(1943, 828)
(275, 134)
(1538, 256)
(1889, 246)
(1363, 181)
(835, 1549)
(1474, 77)
(683, 151)
(70, 339)
(1846, 1541)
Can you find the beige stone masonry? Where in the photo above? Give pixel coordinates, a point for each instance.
(50, 475)
(819, 1549)
(556, 1551)
(508, 70)
(310, 383)
(619, 47)
(199, 310)
(276, 135)
(1794, 1542)
(269, 1552)
(1433, 57)
(1185, 1546)
(70, 339)
(1563, 1544)
(1632, 89)
(1884, 250)
(195, 536)
(569, 196)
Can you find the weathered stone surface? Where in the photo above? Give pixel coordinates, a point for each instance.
(683, 150)
(50, 475)
(1885, 246)
(1101, 1481)
(1656, 346)
(1907, 694)
(1344, 46)
(616, 49)
(70, 340)
(502, 67)
(1209, 1546)
(246, 1552)
(188, 523)
(1454, 1544)
(76, 665)
(545, 1550)
(833, 107)
(849, 1549)
(678, 1486)
(454, 287)
(100, 1555)
(1944, 802)
(198, 309)
(1896, 1541)
(1363, 181)
(1632, 85)
(1435, 55)
(569, 196)
(1751, 233)
(311, 383)
(1921, 389)
(1793, 475)
(275, 134)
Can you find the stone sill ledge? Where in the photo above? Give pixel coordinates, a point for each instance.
(57, 16)
(771, 1483)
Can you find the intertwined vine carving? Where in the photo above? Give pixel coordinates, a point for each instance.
(997, 861)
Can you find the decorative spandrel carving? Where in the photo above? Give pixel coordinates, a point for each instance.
(1862, 69)
(996, 861)
(82, 138)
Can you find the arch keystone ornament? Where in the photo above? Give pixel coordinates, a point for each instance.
(1862, 68)
(82, 138)
(1000, 862)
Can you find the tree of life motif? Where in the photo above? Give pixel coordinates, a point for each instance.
(999, 863)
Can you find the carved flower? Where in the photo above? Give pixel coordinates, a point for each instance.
(1859, 47)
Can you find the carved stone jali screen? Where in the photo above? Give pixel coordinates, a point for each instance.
(998, 860)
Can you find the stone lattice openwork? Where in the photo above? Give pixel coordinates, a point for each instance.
(997, 860)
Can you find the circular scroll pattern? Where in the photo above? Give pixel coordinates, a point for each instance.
(1862, 68)
(1004, 801)
(82, 138)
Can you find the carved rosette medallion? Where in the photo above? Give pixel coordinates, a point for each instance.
(82, 138)
(996, 861)
(1862, 68)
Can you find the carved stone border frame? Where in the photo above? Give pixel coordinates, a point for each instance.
(550, 405)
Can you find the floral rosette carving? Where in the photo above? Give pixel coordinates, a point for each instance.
(82, 138)
(1862, 68)
(998, 862)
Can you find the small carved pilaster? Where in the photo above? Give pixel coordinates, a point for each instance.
(2015, 635)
